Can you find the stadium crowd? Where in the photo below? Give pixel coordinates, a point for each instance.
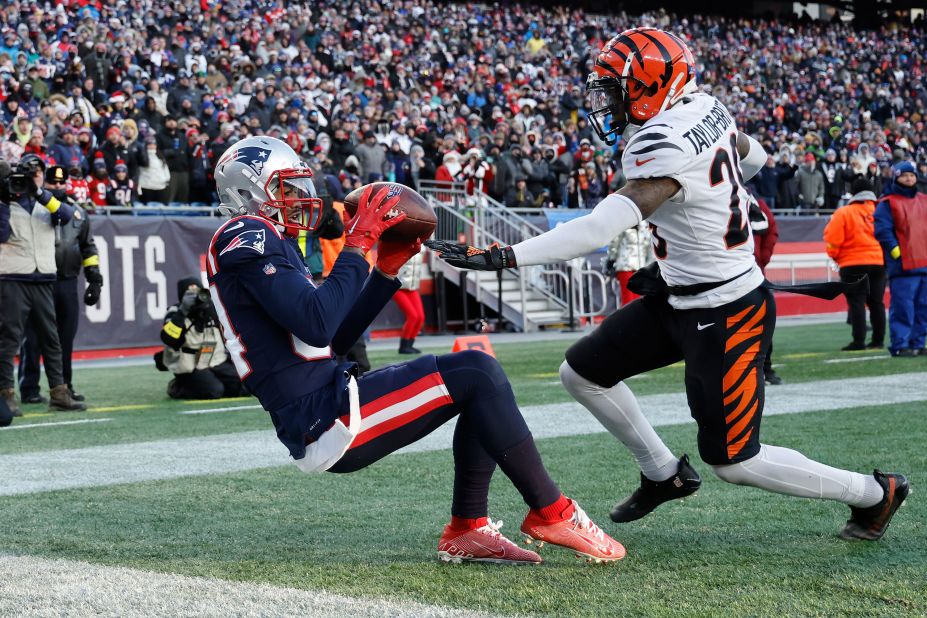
(137, 99)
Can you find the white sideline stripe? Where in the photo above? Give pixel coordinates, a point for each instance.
(56, 424)
(855, 359)
(96, 466)
(398, 409)
(44, 587)
(213, 410)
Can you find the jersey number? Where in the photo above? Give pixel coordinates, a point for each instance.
(737, 231)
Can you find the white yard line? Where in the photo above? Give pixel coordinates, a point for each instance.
(56, 424)
(95, 466)
(214, 410)
(855, 359)
(44, 587)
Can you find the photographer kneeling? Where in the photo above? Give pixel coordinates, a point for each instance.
(194, 351)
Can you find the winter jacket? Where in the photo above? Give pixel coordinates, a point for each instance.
(67, 156)
(372, 160)
(810, 187)
(901, 221)
(74, 246)
(27, 239)
(833, 179)
(154, 176)
(176, 150)
(850, 235)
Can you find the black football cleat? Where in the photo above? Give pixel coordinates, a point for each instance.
(652, 494)
(871, 523)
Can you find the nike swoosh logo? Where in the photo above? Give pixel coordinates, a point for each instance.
(700, 326)
(602, 548)
(235, 227)
(497, 553)
(638, 162)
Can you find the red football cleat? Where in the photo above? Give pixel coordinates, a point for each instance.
(485, 544)
(576, 532)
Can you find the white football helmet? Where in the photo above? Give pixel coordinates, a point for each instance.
(263, 176)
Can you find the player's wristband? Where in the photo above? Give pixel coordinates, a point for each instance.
(895, 253)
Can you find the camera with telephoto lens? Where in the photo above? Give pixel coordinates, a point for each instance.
(18, 183)
(203, 313)
(19, 180)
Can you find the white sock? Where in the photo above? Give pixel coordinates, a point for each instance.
(618, 411)
(789, 472)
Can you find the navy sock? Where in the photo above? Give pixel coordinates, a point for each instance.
(473, 470)
(487, 405)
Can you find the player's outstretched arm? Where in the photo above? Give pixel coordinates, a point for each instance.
(633, 203)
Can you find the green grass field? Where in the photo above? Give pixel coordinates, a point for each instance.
(727, 551)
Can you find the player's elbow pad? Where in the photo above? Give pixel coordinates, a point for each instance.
(755, 159)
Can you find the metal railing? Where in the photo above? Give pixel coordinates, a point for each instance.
(481, 221)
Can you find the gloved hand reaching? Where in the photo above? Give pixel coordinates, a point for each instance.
(473, 258)
(372, 218)
(392, 255)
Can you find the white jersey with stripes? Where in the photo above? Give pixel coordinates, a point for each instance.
(702, 235)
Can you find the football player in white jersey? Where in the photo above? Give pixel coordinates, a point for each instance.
(686, 165)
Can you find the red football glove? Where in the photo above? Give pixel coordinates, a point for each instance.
(371, 219)
(392, 255)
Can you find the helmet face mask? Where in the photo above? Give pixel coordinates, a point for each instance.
(295, 207)
(608, 100)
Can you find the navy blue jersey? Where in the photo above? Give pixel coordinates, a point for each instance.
(281, 330)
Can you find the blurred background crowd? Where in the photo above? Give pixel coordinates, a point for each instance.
(137, 99)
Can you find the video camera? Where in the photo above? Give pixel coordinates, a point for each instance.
(18, 183)
(18, 180)
(203, 312)
(12, 182)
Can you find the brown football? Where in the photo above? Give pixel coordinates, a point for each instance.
(420, 218)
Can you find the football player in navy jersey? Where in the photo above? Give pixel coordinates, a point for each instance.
(282, 333)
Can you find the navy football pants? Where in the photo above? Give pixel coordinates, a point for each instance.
(401, 404)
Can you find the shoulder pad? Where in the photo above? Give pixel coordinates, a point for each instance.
(653, 152)
(244, 238)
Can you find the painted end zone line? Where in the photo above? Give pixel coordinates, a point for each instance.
(58, 423)
(229, 409)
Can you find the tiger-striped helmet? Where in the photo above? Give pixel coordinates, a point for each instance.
(637, 75)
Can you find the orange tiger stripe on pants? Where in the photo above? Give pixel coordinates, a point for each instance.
(740, 381)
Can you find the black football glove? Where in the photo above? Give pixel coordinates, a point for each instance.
(94, 285)
(92, 294)
(473, 258)
(93, 275)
